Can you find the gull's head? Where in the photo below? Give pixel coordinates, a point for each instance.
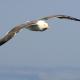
(42, 25)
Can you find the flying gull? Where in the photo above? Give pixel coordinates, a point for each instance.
(34, 25)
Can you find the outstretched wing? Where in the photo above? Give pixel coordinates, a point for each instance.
(11, 34)
(15, 30)
(60, 17)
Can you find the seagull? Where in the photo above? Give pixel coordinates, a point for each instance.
(34, 25)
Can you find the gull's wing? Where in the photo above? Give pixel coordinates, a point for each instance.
(60, 17)
(15, 30)
(11, 34)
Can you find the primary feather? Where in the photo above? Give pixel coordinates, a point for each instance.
(60, 17)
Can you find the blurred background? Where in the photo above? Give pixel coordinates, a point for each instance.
(57, 47)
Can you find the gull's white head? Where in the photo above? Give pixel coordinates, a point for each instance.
(42, 25)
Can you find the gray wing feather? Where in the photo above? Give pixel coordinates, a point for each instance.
(60, 17)
(6, 38)
(15, 30)
(11, 34)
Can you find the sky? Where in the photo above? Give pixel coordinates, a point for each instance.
(58, 46)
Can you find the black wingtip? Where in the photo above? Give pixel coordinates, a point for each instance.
(68, 17)
(2, 42)
(76, 19)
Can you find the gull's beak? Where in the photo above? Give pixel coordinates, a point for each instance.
(45, 29)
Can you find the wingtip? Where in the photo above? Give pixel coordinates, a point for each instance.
(2, 43)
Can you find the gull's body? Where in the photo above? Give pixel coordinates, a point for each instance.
(35, 25)
(40, 25)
